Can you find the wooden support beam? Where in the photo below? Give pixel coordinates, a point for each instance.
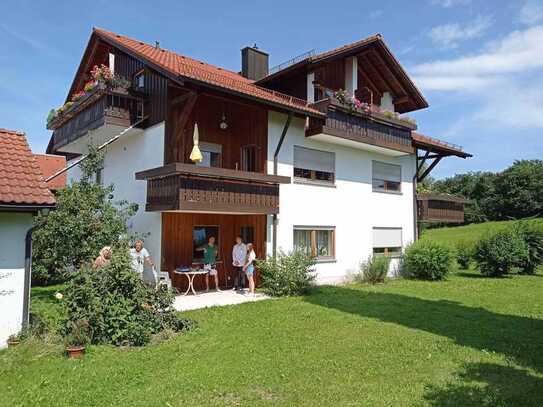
(178, 118)
(429, 169)
(182, 98)
(421, 161)
(389, 70)
(369, 82)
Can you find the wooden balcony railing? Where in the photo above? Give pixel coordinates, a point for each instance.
(372, 127)
(440, 208)
(190, 188)
(101, 107)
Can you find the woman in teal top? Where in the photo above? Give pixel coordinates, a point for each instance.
(210, 260)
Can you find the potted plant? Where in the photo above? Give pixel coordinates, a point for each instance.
(77, 339)
(14, 340)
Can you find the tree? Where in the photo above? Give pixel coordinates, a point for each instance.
(519, 190)
(85, 220)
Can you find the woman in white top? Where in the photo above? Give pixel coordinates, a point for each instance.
(249, 267)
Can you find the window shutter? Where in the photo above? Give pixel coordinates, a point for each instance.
(315, 160)
(387, 237)
(388, 172)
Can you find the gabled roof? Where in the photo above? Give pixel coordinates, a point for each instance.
(437, 146)
(181, 68)
(21, 180)
(386, 60)
(49, 165)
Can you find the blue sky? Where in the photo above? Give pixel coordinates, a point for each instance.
(479, 63)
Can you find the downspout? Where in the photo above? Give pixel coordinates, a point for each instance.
(27, 277)
(415, 206)
(275, 164)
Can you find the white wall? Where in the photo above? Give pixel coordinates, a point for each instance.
(133, 152)
(351, 206)
(13, 228)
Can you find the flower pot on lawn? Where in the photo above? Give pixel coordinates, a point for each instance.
(76, 352)
(13, 342)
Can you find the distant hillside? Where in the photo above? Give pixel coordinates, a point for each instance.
(469, 233)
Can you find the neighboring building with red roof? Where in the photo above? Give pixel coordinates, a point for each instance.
(50, 165)
(315, 154)
(23, 192)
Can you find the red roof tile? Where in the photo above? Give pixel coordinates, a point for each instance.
(21, 180)
(49, 165)
(189, 68)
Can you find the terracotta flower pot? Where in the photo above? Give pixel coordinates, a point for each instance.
(76, 352)
(13, 342)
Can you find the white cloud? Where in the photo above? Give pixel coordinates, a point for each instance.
(502, 78)
(450, 3)
(449, 35)
(531, 12)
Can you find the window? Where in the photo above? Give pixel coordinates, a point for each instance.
(200, 237)
(139, 80)
(212, 155)
(318, 241)
(386, 177)
(387, 241)
(249, 158)
(314, 165)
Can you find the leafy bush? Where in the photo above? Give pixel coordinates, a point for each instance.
(287, 274)
(119, 307)
(464, 254)
(427, 260)
(374, 270)
(533, 238)
(85, 220)
(78, 334)
(501, 251)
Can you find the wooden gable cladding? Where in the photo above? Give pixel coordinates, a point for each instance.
(247, 127)
(177, 242)
(331, 75)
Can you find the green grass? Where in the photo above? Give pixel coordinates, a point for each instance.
(468, 341)
(469, 233)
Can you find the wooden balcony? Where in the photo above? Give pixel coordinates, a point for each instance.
(114, 108)
(440, 208)
(190, 188)
(371, 130)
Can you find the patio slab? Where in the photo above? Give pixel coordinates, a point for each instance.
(214, 299)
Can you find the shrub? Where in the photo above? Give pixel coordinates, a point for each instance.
(85, 220)
(78, 334)
(464, 254)
(287, 274)
(119, 307)
(374, 270)
(532, 236)
(427, 260)
(500, 251)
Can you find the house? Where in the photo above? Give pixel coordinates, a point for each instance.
(290, 159)
(49, 165)
(23, 193)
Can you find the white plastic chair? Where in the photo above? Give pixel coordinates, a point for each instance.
(163, 278)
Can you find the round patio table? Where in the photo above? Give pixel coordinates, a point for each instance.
(190, 277)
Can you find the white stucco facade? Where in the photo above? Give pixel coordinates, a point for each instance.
(350, 205)
(133, 152)
(13, 228)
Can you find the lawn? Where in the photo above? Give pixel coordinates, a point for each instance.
(468, 341)
(469, 233)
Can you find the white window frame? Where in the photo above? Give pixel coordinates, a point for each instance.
(313, 239)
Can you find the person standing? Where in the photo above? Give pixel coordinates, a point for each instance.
(140, 256)
(210, 262)
(249, 268)
(239, 256)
